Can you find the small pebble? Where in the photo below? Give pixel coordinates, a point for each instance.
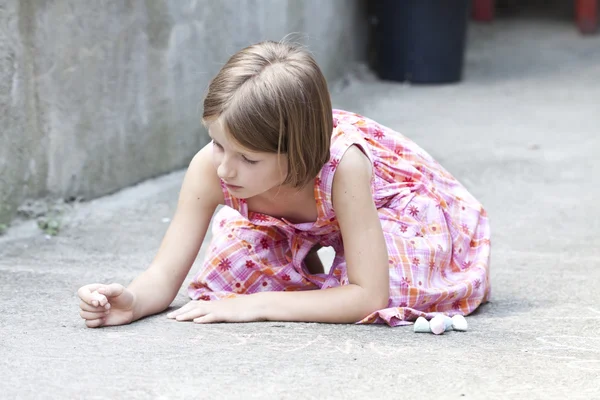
(422, 325)
(459, 323)
(437, 325)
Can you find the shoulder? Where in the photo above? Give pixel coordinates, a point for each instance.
(201, 180)
(354, 164)
(352, 176)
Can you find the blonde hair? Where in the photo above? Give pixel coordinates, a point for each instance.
(272, 97)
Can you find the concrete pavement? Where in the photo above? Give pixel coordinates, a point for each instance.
(522, 132)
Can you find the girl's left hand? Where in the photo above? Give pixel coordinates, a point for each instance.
(237, 309)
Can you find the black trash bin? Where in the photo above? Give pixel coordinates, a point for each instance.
(420, 41)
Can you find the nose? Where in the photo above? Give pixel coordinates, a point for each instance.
(225, 169)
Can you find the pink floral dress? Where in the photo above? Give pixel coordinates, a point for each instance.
(437, 234)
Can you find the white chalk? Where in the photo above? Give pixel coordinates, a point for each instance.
(437, 325)
(97, 296)
(448, 323)
(459, 323)
(422, 325)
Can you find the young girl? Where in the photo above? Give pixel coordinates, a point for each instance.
(296, 175)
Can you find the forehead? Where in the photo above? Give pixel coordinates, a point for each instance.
(217, 130)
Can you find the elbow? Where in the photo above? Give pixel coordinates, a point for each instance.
(381, 301)
(375, 300)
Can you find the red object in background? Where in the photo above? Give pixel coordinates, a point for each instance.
(483, 10)
(586, 14)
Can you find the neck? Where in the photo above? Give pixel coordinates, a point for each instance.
(296, 205)
(288, 194)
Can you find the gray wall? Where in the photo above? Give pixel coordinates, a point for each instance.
(96, 95)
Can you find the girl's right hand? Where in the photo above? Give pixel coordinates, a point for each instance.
(106, 305)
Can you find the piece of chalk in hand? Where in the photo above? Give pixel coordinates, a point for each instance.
(97, 296)
(437, 325)
(422, 325)
(459, 323)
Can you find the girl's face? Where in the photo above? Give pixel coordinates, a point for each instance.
(246, 173)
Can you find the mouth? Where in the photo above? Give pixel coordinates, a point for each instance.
(232, 187)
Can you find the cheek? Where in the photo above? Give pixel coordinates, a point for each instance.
(281, 170)
(217, 156)
(261, 176)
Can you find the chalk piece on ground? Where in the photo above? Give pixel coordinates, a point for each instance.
(422, 325)
(437, 325)
(459, 323)
(448, 323)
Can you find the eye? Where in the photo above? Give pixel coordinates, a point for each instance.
(252, 162)
(217, 145)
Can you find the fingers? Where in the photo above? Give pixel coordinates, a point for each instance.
(94, 323)
(193, 309)
(112, 290)
(98, 295)
(190, 315)
(94, 319)
(90, 295)
(207, 319)
(99, 300)
(85, 292)
(88, 307)
(94, 305)
(91, 315)
(182, 310)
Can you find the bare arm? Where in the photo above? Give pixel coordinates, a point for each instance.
(200, 194)
(365, 251)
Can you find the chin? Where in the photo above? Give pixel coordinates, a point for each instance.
(240, 194)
